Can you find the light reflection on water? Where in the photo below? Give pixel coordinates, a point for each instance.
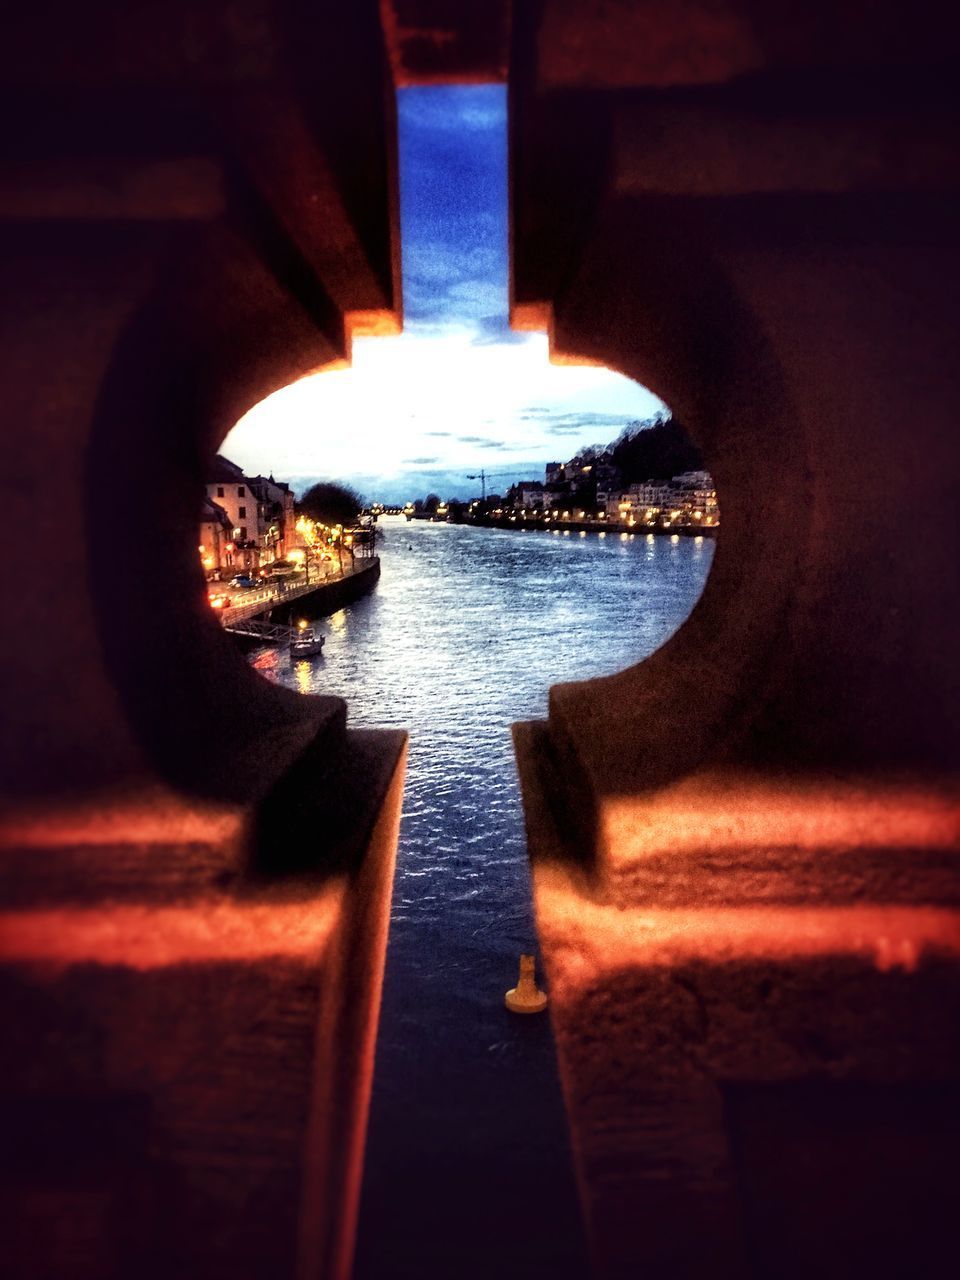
(465, 633)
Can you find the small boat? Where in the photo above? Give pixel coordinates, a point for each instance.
(305, 643)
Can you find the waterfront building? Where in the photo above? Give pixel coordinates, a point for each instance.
(686, 499)
(696, 497)
(530, 494)
(641, 503)
(231, 490)
(276, 518)
(216, 538)
(259, 510)
(652, 493)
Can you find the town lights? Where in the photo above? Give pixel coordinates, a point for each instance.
(302, 624)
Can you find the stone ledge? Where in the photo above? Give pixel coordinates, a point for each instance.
(731, 935)
(218, 1014)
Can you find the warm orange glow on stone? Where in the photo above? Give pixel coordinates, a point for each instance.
(144, 938)
(597, 937)
(381, 323)
(588, 938)
(707, 814)
(530, 317)
(148, 815)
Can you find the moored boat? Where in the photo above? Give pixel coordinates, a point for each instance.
(305, 642)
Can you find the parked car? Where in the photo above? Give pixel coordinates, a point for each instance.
(219, 601)
(244, 582)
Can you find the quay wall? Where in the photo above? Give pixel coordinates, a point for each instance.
(318, 601)
(589, 526)
(328, 596)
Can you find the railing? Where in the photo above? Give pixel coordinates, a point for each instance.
(255, 629)
(257, 602)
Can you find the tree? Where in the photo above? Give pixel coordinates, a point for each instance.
(431, 502)
(331, 504)
(656, 452)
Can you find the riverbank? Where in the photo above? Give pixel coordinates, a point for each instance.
(309, 600)
(547, 524)
(560, 524)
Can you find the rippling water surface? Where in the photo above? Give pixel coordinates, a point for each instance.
(465, 633)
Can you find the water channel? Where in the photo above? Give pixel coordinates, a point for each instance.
(464, 634)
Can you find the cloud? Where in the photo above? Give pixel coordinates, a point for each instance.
(454, 284)
(600, 428)
(484, 442)
(457, 362)
(453, 200)
(453, 108)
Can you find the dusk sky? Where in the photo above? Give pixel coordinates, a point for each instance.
(458, 390)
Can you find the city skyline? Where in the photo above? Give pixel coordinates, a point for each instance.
(458, 390)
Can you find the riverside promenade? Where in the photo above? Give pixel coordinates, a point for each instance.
(561, 524)
(317, 598)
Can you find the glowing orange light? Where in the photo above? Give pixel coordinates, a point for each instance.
(143, 938)
(588, 937)
(708, 813)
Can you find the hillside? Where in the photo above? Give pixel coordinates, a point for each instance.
(655, 453)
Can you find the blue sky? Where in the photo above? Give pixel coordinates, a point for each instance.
(458, 390)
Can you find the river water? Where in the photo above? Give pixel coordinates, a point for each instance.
(464, 634)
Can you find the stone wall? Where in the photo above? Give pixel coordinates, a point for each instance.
(749, 914)
(749, 918)
(186, 1087)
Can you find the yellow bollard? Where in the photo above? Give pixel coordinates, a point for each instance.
(526, 996)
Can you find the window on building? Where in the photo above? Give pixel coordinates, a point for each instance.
(243, 534)
(219, 490)
(242, 511)
(241, 491)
